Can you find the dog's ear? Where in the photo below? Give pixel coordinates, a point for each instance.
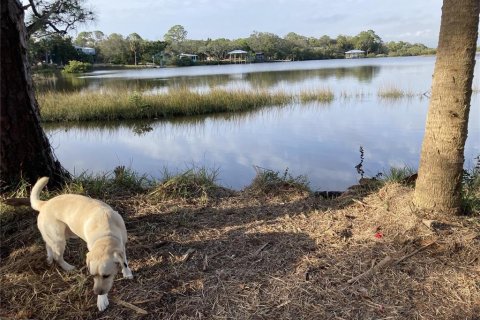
(119, 257)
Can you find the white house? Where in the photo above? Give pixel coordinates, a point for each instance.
(86, 50)
(238, 56)
(193, 57)
(354, 54)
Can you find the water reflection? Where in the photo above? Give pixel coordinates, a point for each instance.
(320, 141)
(264, 80)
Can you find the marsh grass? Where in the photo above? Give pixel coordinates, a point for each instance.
(392, 92)
(87, 106)
(320, 95)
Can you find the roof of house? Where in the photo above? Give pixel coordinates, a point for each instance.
(237, 52)
(355, 51)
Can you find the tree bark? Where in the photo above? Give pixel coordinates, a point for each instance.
(24, 149)
(439, 183)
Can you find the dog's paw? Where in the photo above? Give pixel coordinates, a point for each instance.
(67, 266)
(49, 260)
(102, 302)
(127, 273)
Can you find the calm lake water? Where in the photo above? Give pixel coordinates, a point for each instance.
(321, 141)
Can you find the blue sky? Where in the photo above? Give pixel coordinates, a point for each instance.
(407, 20)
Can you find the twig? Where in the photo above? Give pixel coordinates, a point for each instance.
(369, 272)
(283, 304)
(360, 202)
(260, 249)
(188, 254)
(129, 305)
(206, 257)
(414, 252)
(148, 300)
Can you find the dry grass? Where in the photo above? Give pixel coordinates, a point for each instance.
(258, 257)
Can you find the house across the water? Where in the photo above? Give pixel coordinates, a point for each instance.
(86, 50)
(193, 57)
(238, 56)
(354, 54)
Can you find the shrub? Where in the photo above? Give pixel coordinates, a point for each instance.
(75, 66)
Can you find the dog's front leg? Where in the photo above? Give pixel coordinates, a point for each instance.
(102, 302)
(127, 273)
(121, 259)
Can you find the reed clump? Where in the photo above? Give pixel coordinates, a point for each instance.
(392, 92)
(321, 95)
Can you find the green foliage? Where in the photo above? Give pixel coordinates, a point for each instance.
(114, 49)
(369, 42)
(181, 61)
(117, 49)
(402, 48)
(399, 175)
(119, 182)
(77, 67)
(54, 48)
(196, 182)
(471, 190)
(175, 34)
(269, 182)
(55, 17)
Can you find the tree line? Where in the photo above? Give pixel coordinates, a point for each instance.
(133, 49)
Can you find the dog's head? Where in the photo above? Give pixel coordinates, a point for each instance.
(102, 263)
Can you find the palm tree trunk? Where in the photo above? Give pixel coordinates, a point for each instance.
(439, 180)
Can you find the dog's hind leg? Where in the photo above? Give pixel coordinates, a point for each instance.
(58, 247)
(53, 233)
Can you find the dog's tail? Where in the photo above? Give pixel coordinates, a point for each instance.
(35, 201)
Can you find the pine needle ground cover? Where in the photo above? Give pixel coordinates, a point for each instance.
(367, 254)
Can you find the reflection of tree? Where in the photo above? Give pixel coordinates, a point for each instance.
(253, 79)
(269, 79)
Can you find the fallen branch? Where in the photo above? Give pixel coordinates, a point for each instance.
(17, 202)
(129, 305)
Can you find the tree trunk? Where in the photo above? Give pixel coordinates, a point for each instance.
(25, 150)
(439, 180)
